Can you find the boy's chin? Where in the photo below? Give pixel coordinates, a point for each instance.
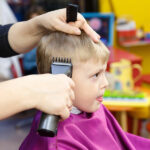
(93, 109)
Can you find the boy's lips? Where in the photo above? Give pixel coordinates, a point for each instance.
(100, 99)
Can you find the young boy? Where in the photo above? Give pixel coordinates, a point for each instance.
(90, 125)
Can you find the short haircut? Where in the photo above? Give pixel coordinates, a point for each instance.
(78, 48)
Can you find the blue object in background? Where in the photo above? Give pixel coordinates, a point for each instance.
(29, 62)
(147, 35)
(103, 24)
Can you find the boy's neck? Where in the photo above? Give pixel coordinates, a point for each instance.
(75, 110)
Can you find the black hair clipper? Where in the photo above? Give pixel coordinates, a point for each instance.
(48, 123)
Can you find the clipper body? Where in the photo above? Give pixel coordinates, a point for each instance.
(48, 123)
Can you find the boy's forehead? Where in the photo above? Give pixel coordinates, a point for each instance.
(90, 66)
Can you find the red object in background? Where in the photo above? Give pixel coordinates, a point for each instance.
(146, 78)
(118, 54)
(148, 127)
(13, 69)
(14, 72)
(126, 36)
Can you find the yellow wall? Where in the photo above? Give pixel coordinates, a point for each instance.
(140, 12)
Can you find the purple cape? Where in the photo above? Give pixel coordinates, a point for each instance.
(96, 131)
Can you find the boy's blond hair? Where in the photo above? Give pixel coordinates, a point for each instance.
(79, 48)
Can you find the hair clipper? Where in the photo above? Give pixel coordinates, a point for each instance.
(48, 123)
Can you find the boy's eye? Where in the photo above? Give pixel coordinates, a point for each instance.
(96, 75)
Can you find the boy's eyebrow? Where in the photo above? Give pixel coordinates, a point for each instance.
(99, 70)
(95, 71)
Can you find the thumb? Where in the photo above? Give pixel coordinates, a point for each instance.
(68, 28)
(95, 37)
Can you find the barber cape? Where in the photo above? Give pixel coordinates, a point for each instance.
(96, 131)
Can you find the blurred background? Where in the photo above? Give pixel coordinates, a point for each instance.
(124, 27)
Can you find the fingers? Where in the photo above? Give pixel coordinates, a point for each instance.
(52, 94)
(69, 105)
(74, 27)
(67, 84)
(69, 97)
(72, 84)
(72, 95)
(58, 22)
(95, 37)
(67, 28)
(65, 79)
(65, 114)
(82, 24)
(77, 24)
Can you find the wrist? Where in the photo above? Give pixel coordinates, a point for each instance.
(38, 28)
(22, 93)
(14, 98)
(28, 101)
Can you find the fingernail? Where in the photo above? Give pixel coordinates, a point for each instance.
(96, 39)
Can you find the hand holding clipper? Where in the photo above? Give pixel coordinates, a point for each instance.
(48, 123)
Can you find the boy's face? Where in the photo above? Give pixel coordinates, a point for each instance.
(90, 84)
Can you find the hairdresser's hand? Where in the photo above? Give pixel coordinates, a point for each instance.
(52, 94)
(56, 20)
(24, 36)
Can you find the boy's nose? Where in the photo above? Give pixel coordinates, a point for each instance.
(104, 83)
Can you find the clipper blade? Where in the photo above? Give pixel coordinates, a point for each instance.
(61, 60)
(61, 66)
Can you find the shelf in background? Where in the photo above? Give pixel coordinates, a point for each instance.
(135, 43)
